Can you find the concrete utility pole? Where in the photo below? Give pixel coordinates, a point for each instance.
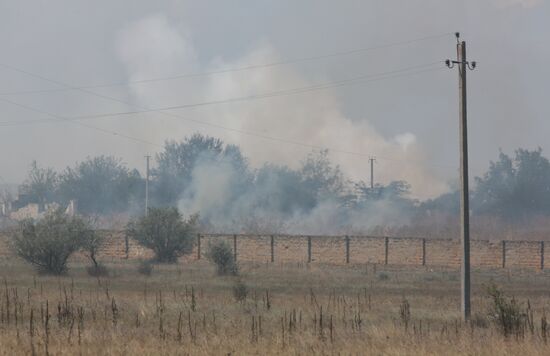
(147, 184)
(463, 65)
(372, 159)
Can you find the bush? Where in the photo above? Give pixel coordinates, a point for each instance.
(164, 231)
(240, 291)
(221, 254)
(48, 243)
(506, 313)
(145, 267)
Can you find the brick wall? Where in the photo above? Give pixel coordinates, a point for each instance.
(523, 254)
(486, 253)
(443, 253)
(366, 249)
(340, 250)
(288, 249)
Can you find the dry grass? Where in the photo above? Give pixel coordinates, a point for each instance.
(187, 309)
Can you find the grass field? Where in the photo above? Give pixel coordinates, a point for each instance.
(295, 309)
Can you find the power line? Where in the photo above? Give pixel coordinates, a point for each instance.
(57, 118)
(304, 89)
(299, 90)
(230, 70)
(270, 138)
(163, 111)
(61, 118)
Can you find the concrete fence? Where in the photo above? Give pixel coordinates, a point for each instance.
(342, 250)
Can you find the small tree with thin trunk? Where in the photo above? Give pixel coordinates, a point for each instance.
(91, 246)
(48, 243)
(164, 231)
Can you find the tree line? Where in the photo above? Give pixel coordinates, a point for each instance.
(203, 174)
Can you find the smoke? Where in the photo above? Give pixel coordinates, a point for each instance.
(154, 47)
(68, 42)
(314, 199)
(112, 42)
(211, 189)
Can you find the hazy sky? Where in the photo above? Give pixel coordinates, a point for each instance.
(410, 122)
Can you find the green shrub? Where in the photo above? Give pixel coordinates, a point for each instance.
(48, 243)
(506, 313)
(221, 254)
(164, 231)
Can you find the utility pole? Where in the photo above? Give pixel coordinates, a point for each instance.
(372, 160)
(147, 184)
(463, 65)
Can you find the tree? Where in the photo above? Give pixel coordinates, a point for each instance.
(446, 203)
(532, 191)
(217, 184)
(40, 186)
(281, 190)
(321, 177)
(179, 160)
(381, 207)
(514, 188)
(48, 243)
(176, 163)
(164, 231)
(494, 189)
(91, 246)
(101, 185)
(395, 192)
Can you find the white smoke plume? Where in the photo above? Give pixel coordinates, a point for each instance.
(154, 47)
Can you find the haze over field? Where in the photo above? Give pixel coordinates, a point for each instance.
(281, 177)
(408, 122)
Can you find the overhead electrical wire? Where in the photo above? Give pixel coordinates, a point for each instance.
(165, 110)
(305, 89)
(299, 90)
(236, 69)
(361, 79)
(61, 118)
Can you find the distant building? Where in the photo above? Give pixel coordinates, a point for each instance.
(19, 210)
(31, 210)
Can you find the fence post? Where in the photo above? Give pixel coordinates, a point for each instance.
(272, 249)
(308, 249)
(235, 247)
(542, 255)
(503, 254)
(423, 252)
(126, 246)
(386, 246)
(198, 246)
(347, 249)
